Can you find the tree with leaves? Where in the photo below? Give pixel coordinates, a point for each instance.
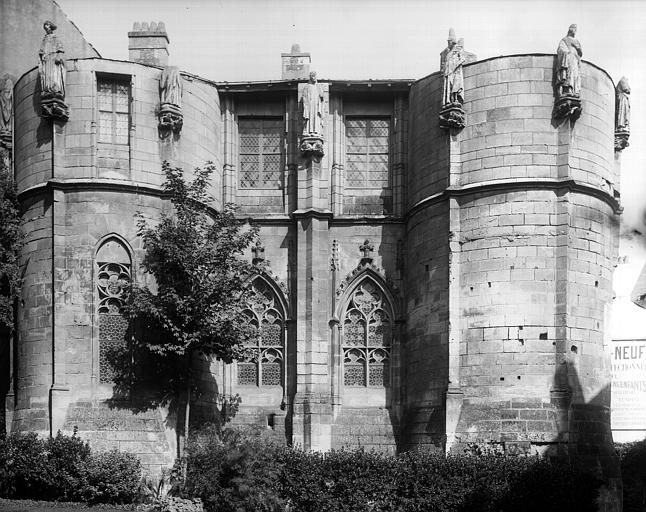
(195, 309)
(10, 281)
(10, 241)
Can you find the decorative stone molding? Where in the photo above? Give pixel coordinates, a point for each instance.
(452, 116)
(366, 268)
(258, 251)
(366, 250)
(312, 146)
(621, 140)
(54, 108)
(334, 260)
(568, 107)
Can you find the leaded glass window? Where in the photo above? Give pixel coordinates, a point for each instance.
(112, 280)
(263, 362)
(367, 148)
(367, 336)
(261, 142)
(114, 111)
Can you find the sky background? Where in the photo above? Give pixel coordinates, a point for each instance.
(238, 40)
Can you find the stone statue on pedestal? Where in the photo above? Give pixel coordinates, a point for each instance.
(568, 76)
(453, 76)
(452, 60)
(312, 101)
(51, 70)
(170, 95)
(622, 114)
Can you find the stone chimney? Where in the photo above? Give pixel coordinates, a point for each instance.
(148, 44)
(296, 64)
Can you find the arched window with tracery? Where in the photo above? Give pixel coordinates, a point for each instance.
(367, 338)
(263, 363)
(113, 276)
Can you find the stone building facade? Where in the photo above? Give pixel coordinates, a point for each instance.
(426, 285)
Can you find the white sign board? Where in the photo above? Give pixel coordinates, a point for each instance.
(628, 406)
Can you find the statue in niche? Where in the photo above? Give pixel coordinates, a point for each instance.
(622, 114)
(51, 69)
(568, 56)
(312, 100)
(568, 77)
(6, 112)
(170, 94)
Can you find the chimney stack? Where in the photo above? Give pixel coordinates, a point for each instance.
(148, 44)
(296, 64)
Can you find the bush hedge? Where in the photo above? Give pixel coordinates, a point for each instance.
(633, 474)
(63, 468)
(251, 470)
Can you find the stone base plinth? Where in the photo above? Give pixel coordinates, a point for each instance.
(452, 116)
(312, 146)
(170, 118)
(54, 107)
(568, 106)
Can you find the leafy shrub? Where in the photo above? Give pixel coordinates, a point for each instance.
(24, 471)
(112, 477)
(64, 468)
(235, 469)
(633, 473)
(66, 460)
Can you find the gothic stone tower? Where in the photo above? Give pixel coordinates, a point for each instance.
(424, 286)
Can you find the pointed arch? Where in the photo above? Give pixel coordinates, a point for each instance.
(267, 311)
(112, 276)
(367, 314)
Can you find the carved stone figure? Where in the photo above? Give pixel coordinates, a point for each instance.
(568, 76)
(312, 101)
(452, 59)
(51, 69)
(6, 112)
(622, 114)
(170, 94)
(453, 75)
(569, 55)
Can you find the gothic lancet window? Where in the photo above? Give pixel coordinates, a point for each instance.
(264, 357)
(113, 276)
(367, 336)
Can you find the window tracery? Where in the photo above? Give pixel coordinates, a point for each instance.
(112, 280)
(367, 338)
(263, 361)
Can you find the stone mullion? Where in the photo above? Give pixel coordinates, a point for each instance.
(338, 154)
(291, 154)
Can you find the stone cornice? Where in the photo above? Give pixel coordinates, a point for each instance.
(312, 213)
(513, 185)
(85, 184)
